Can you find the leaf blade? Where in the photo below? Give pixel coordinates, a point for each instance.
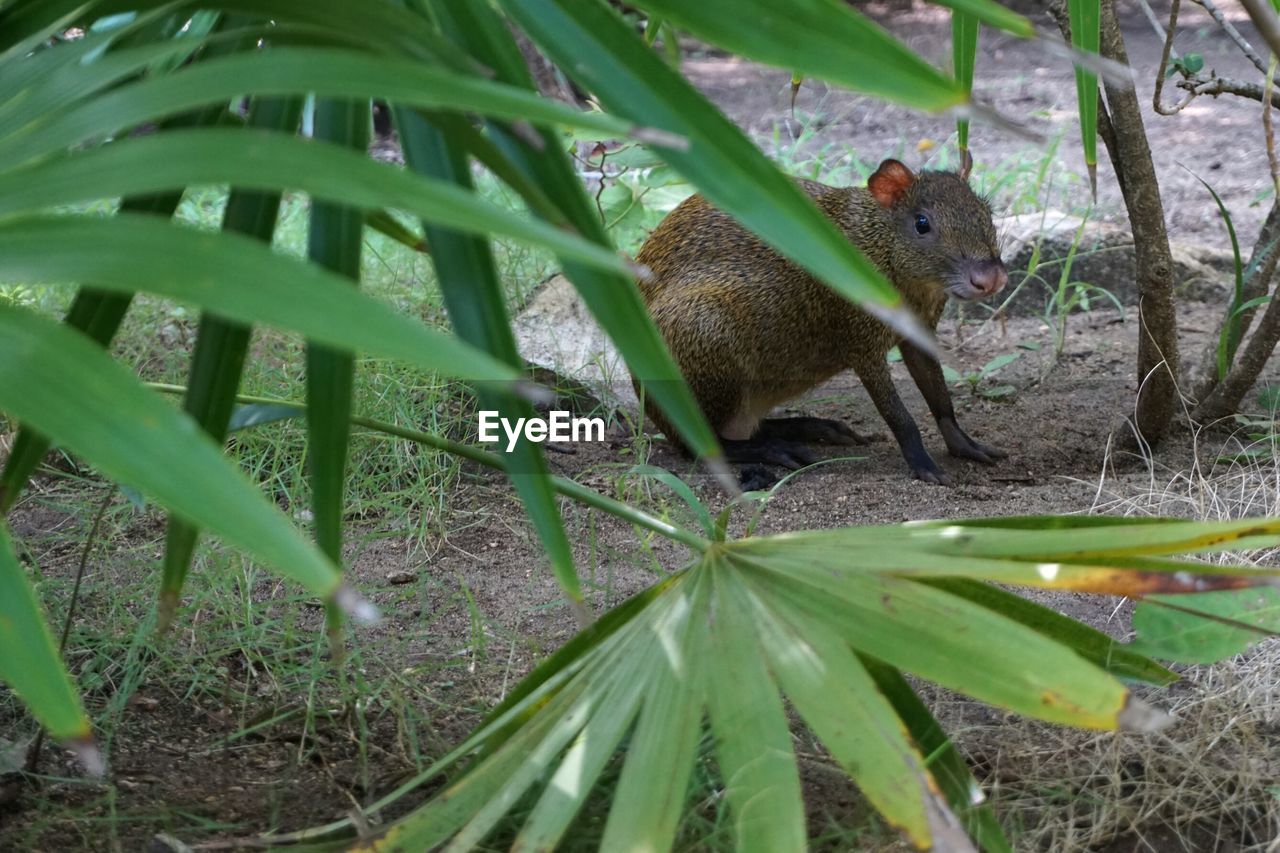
(69, 389)
(31, 665)
(234, 276)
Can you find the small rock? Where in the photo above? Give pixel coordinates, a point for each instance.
(401, 578)
(144, 703)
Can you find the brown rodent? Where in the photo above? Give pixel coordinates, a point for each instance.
(749, 329)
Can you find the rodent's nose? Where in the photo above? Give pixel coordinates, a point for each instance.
(989, 278)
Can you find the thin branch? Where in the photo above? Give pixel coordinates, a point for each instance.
(1215, 86)
(1230, 30)
(1266, 126)
(33, 757)
(1164, 58)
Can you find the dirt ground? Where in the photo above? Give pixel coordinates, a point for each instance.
(175, 769)
(1220, 139)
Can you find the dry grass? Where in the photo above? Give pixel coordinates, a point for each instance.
(1211, 781)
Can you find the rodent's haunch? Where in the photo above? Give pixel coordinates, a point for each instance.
(750, 330)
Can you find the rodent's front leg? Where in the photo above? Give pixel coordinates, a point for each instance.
(879, 384)
(927, 373)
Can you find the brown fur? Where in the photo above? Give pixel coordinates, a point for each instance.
(749, 329)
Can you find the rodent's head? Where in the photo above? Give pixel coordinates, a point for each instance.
(944, 229)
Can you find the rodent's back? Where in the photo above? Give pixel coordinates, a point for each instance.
(697, 241)
(750, 329)
(779, 318)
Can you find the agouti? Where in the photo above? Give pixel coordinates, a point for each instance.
(750, 330)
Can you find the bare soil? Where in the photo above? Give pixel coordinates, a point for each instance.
(180, 762)
(1220, 139)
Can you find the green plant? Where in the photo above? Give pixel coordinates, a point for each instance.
(1233, 323)
(976, 379)
(1069, 295)
(817, 614)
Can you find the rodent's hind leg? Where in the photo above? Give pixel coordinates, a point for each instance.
(811, 430)
(762, 450)
(755, 478)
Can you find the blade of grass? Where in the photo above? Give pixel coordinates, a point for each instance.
(1229, 340)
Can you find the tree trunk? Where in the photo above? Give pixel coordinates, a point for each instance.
(1225, 398)
(1266, 250)
(1126, 141)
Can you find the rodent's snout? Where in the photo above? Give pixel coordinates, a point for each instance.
(988, 278)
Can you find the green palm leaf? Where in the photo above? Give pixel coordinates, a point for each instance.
(67, 388)
(612, 299)
(839, 45)
(264, 160)
(221, 347)
(326, 72)
(1086, 21)
(599, 50)
(236, 277)
(335, 241)
(964, 53)
(473, 295)
(31, 664)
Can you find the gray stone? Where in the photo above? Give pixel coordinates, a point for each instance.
(1104, 258)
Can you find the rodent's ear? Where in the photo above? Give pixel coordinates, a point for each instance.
(891, 182)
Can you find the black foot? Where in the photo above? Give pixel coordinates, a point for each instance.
(922, 466)
(812, 430)
(768, 451)
(960, 444)
(755, 478)
(934, 475)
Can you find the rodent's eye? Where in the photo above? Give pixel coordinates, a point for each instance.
(922, 224)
